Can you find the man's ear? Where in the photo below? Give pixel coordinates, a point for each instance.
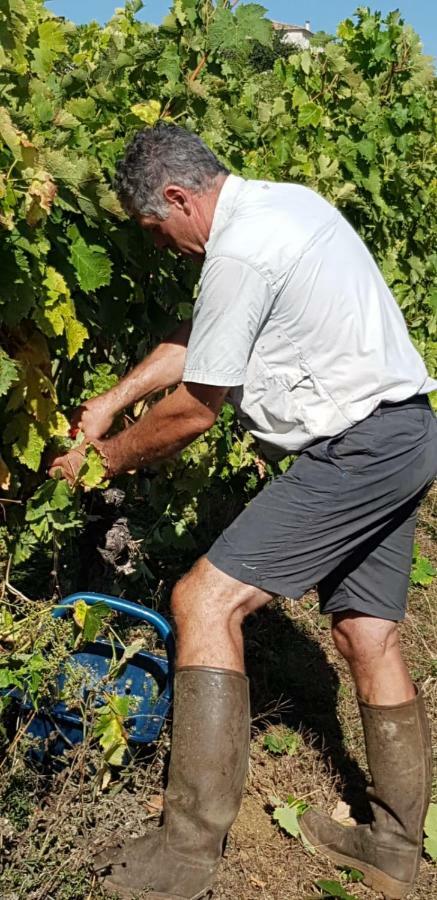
(178, 197)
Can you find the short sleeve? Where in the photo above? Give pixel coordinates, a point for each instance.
(233, 303)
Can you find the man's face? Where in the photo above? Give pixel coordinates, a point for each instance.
(187, 226)
(172, 232)
(183, 229)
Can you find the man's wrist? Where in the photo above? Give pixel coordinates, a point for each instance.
(104, 451)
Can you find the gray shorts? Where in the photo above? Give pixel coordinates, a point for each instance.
(342, 517)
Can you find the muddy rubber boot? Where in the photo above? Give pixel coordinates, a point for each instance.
(208, 765)
(387, 851)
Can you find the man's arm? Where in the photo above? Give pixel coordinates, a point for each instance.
(162, 369)
(168, 427)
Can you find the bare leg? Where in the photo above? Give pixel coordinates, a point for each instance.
(209, 609)
(371, 647)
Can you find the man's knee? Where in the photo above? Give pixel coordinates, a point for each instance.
(206, 592)
(358, 636)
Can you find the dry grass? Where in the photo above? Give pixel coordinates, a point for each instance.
(51, 825)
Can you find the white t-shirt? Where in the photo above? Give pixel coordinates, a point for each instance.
(294, 316)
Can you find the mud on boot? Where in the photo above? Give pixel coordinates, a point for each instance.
(208, 764)
(388, 850)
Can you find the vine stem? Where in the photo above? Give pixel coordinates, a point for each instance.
(8, 586)
(204, 59)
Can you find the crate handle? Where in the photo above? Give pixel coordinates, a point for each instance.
(129, 608)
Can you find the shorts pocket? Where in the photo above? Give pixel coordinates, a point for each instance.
(356, 447)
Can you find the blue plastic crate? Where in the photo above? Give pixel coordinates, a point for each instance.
(147, 677)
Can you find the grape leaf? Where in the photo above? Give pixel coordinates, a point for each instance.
(82, 108)
(8, 372)
(27, 441)
(334, 889)
(309, 114)
(287, 818)
(93, 267)
(232, 31)
(110, 730)
(89, 619)
(92, 473)
(422, 571)
(430, 829)
(76, 334)
(147, 112)
(5, 475)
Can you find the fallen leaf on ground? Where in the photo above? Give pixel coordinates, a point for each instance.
(155, 804)
(342, 814)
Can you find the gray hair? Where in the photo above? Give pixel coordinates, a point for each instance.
(156, 157)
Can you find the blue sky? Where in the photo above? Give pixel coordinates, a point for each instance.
(422, 14)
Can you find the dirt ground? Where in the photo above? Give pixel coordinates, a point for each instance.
(50, 824)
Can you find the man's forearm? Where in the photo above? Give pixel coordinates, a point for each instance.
(162, 369)
(168, 427)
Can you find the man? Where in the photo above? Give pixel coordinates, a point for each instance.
(295, 325)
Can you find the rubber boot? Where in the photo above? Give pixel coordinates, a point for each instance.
(208, 765)
(387, 851)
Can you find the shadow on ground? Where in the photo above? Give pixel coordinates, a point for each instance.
(293, 682)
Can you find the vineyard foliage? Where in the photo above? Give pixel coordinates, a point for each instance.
(83, 293)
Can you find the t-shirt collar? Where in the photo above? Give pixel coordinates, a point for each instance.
(224, 207)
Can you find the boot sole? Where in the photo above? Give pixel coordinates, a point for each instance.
(373, 878)
(110, 887)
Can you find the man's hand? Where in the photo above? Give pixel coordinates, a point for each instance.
(67, 466)
(94, 417)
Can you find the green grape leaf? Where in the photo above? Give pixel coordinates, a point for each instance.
(309, 114)
(93, 266)
(280, 742)
(8, 372)
(334, 889)
(169, 64)
(422, 571)
(287, 818)
(232, 31)
(82, 108)
(52, 35)
(430, 829)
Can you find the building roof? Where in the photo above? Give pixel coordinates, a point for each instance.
(283, 26)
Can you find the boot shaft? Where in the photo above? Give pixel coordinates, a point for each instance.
(399, 754)
(209, 758)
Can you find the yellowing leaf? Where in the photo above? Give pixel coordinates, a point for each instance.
(148, 112)
(27, 440)
(57, 315)
(15, 139)
(39, 198)
(5, 475)
(58, 425)
(76, 334)
(80, 610)
(92, 473)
